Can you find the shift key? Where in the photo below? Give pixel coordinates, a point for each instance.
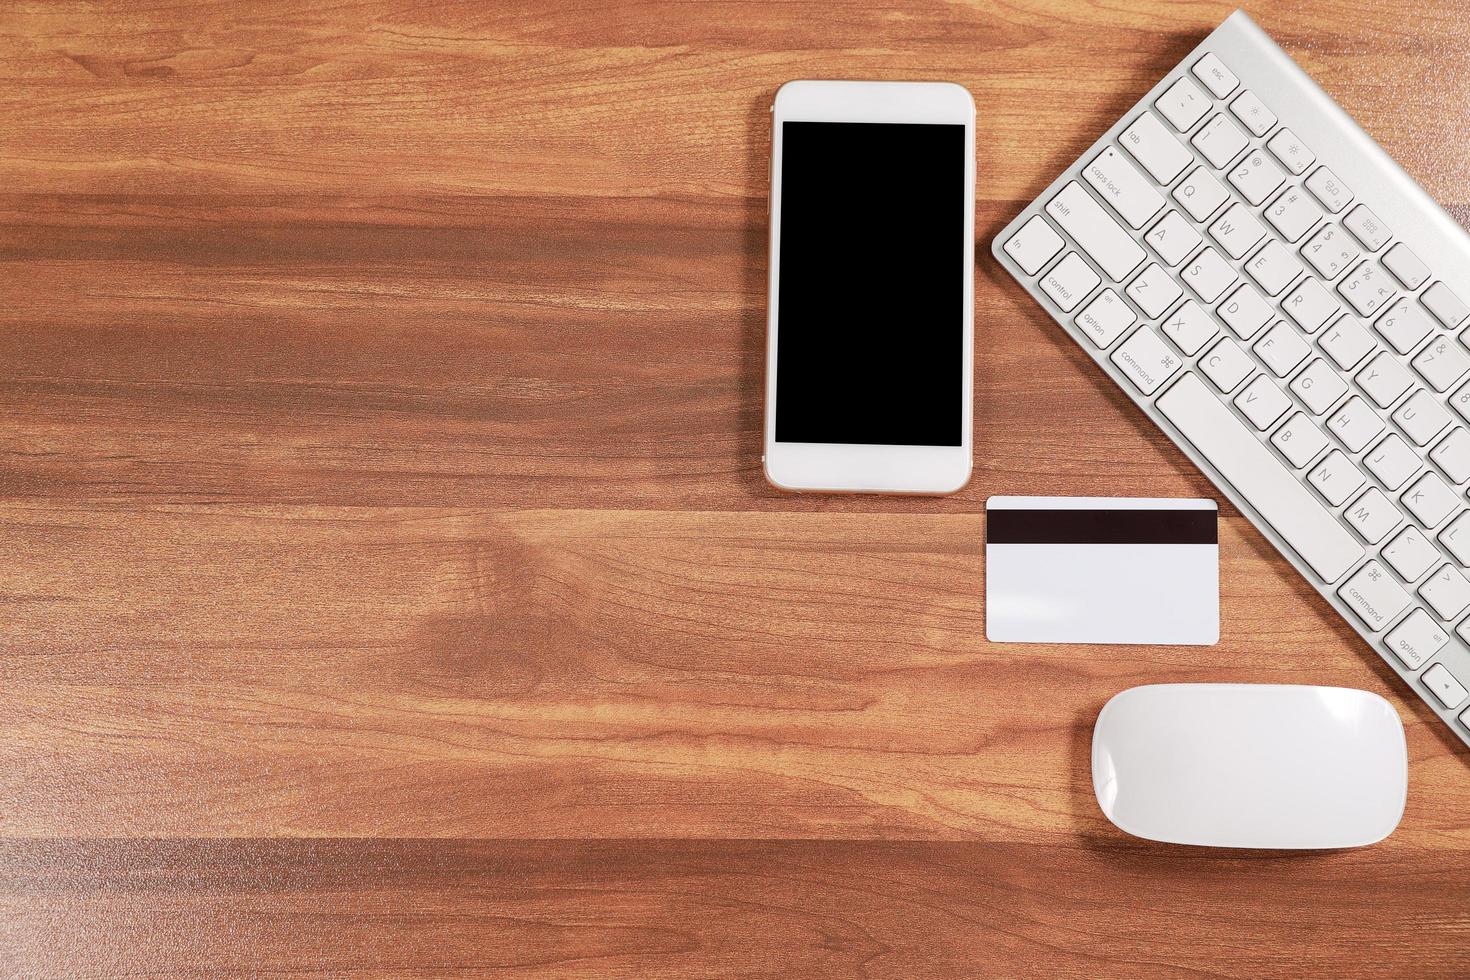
(1102, 238)
(1258, 475)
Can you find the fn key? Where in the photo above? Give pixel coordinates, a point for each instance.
(1033, 246)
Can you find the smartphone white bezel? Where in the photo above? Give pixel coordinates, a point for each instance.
(840, 467)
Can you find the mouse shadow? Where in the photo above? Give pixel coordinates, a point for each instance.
(1099, 836)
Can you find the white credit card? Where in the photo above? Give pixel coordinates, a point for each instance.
(1101, 570)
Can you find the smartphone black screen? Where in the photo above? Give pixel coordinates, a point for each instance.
(870, 297)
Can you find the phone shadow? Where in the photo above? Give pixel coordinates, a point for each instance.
(754, 238)
(755, 244)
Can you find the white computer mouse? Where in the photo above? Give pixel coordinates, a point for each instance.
(1251, 765)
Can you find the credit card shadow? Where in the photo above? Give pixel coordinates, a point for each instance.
(1102, 570)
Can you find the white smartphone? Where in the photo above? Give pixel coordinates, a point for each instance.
(870, 333)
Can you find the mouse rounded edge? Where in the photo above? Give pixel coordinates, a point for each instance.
(1278, 766)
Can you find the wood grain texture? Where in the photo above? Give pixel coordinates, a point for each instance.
(387, 582)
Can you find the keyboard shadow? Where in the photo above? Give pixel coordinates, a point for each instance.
(1090, 123)
(1347, 638)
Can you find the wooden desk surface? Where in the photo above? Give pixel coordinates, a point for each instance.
(390, 587)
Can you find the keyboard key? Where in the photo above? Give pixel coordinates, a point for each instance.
(1410, 553)
(1227, 365)
(1442, 363)
(1421, 417)
(1366, 288)
(1384, 380)
(1444, 304)
(1327, 188)
(1445, 686)
(1125, 189)
(1330, 251)
(1405, 266)
(1237, 231)
(1154, 290)
(1367, 228)
(1208, 274)
(1447, 592)
(1430, 500)
(1220, 140)
(1293, 213)
(1253, 112)
(1393, 462)
(1217, 78)
(1189, 327)
(1034, 245)
(1456, 538)
(1292, 152)
(1374, 596)
(1319, 386)
(1463, 630)
(1460, 402)
(1373, 516)
(1282, 503)
(1347, 342)
(1069, 281)
(1355, 424)
(1201, 194)
(1183, 104)
(1282, 349)
(1256, 177)
(1273, 268)
(1146, 360)
(1105, 319)
(1102, 238)
(1153, 146)
(1310, 305)
(1173, 238)
(1262, 403)
(1245, 312)
(1299, 440)
(1336, 478)
(1416, 639)
(1452, 455)
(1403, 324)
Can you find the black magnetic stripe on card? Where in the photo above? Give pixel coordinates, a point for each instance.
(1101, 527)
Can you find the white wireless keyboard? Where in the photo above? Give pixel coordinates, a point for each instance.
(1287, 304)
